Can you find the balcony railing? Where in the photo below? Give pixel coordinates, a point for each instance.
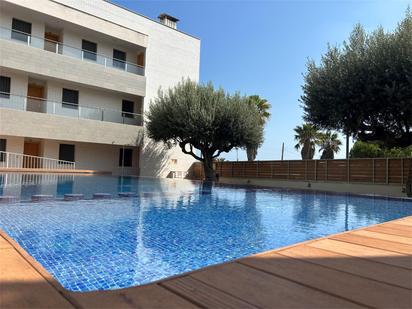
(63, 49)
(18, 160)
(39, 105)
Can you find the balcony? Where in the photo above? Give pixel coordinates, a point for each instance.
(62, 49)
(52, 60)
(66, 109)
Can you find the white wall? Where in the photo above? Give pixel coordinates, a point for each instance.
(13, 143)
(91, 97)
(18, 81)
(93, 156)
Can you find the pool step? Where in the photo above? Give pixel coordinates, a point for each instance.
(7, 199)
(73, 197)
(127, 194)
(41, 197)
(102, 196)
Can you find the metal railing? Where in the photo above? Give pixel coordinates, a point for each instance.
(14, 160)
(63, 49)
(39, 105)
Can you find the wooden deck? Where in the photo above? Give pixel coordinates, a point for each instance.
(369, 267)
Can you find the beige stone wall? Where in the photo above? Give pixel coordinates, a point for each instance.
(15, 55)
(358, 188)
(79, 18)
(47, 126)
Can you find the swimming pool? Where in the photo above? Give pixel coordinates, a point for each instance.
(109, 244)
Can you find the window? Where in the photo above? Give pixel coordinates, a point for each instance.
(21, 30)
(119, 59)
(125, 157)
(4, 87)
(70, 98)
(66, 152)
(127, 108)
(89, 50)
(2, 148)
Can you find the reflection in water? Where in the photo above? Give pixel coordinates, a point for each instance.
(23, 186)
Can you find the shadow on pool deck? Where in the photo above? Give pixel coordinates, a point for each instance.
(369, 267)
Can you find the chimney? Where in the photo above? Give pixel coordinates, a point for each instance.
(168, 20)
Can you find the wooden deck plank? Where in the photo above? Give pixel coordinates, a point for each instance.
(265, 290)
(402, 227)
(377, 255)
(405, 221)
(148, 296)
(203, 294)
(383, 236)
(375, 243)
(389, 230)
(341, 284)
(4, 244)
(354, 265)
(21, 286)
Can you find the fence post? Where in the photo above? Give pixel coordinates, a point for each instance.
(244, 169)
(401, 171)
(288, 169)
(326, 170)
(271, 169)
(387, 171)
(306, 169)
(348, 170)
(373, 170)
(316, 170)
(257, 169)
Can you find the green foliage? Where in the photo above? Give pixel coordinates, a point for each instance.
(329, 144)
(373, 150)
(306, 136)
(364, 88)
(365, 150)
(262, 106)
(198, 116)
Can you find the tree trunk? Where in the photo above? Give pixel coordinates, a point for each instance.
(251, 153)
(208, 168)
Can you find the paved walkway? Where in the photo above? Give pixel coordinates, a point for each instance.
(369, 267)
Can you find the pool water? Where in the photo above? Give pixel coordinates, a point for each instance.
(109, 244)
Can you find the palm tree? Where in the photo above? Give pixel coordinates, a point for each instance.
(306, 136)
(263, 107)
(329, 143)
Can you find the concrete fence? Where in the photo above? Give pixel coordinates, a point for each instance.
(373, 171)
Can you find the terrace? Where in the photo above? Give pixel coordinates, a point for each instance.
(67, 109)
(57, 47)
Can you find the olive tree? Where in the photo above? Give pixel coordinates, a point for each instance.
(364, 88)
(200, 117)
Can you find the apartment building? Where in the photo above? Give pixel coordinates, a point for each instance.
(76, 77)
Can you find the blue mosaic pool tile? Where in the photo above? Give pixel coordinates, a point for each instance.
(92, 245)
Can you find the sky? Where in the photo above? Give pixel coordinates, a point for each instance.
(262, 47)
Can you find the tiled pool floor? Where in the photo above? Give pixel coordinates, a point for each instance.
(369, 267)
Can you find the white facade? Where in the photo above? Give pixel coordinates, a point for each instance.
(107, 97)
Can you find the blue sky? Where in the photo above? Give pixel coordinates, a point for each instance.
(261, 47)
